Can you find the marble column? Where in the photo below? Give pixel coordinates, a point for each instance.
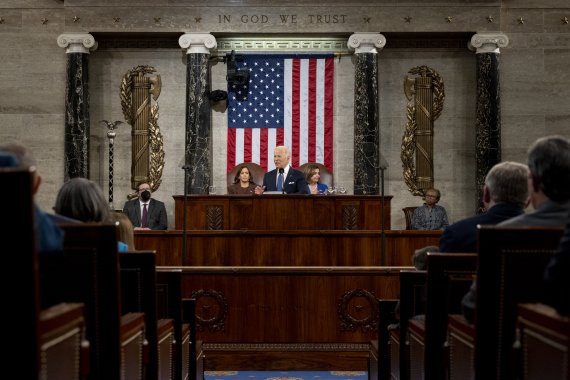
(488, 109)
(78, 46)
(198, 133)
(367, 155)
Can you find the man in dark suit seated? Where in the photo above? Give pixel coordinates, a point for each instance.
(283, 178)
(153, 218)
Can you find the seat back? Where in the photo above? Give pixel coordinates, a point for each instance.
(449, 276)
(408, 213)
(88, 272)
(257, 172)
(138, 295)
(511, 262)
(545, 342)
(19, 254)
(326, 175)
(412, 302)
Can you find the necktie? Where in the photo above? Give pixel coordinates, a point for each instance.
(144, 221)
(280, 182)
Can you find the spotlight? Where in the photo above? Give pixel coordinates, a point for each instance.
(240, 78)
(218, 95)
(234, 74)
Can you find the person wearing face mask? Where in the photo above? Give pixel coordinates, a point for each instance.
(146, 213)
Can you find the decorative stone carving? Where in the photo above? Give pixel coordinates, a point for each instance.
(488, 42)
(197, 42)
(366, 42)
(77, 42)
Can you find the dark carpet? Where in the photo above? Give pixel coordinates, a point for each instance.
(285, 375)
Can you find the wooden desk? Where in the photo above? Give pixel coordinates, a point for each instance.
(285, 247)
(295, 212)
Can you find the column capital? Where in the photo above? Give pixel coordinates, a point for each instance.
(77, 42)
(197, 42)
(365, 42)
(488, 42)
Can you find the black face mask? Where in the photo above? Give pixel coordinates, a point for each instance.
(145, 195)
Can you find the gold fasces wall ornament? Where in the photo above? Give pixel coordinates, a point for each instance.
(425, 95)
(147, 153)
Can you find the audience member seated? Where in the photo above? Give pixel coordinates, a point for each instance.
(243, 182)
(126, 231)
(549, 193)
(50, 236)
(430, 216)
(549, 184)
(557, 278)
(505, 194)
(154, 218)
(313, 176)
(283, 179)
(82, 199)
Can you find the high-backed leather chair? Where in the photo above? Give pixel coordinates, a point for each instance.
(408, 213)
(326, 175)
(256, 171)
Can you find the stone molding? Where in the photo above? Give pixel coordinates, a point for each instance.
(197, 42)
(77, 42)
(488, 42)
(365, 42)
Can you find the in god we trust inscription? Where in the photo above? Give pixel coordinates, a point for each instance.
(283, 19)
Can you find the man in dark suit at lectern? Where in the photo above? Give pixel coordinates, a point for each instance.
(283, 179)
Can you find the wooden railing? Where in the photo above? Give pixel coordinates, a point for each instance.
(285, 247)
(282, 212)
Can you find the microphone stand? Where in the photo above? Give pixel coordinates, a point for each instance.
(184, 233)
(383, 232)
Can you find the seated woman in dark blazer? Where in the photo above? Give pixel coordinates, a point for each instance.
(243, 182)
(313, 175)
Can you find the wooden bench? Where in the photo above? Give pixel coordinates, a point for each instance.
(20, 254)
(188, 355)
(449, 276)
(379, 357)
(88, 271)
(34, 335)
(132, 333)
(510, 267)
(139, 294)
(544, 337)
(412, 302)
(64, 349)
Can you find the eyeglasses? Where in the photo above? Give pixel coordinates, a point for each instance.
(146, 188)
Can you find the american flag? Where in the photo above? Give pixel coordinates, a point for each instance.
(288, 101)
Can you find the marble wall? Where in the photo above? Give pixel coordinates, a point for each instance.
(535, 82)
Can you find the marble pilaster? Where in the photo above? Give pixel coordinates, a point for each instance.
(198, 132)
(488, 109)
(367, 156)
(76, 151)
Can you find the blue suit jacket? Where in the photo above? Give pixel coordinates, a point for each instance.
(462, 235)
(295, 182)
